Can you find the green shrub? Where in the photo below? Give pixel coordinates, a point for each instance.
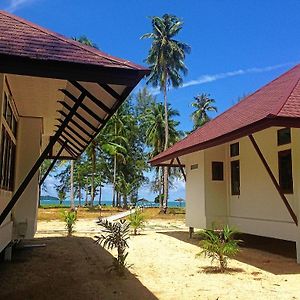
(219, 244)
(69, 218)
(136, 220)
(116, 236)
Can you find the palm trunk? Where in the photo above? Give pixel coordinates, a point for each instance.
(93, 176)
(86, 195)
(166, 175)
(161, 202)
(115, 174)
(100, 195)
(72, 185)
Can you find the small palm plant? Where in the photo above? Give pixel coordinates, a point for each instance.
(69, 218)
(116, 237)
(137, 221)
(219, 245)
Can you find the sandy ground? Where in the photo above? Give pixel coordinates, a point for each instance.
(163, 267)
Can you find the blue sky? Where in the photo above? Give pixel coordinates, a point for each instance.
(237, 46)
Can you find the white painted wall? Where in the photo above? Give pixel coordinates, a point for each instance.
(195, 190)
(258, 209)
(215, 191)
(28, 151)
(5, 196)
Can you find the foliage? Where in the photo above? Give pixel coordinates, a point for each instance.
(137, 220)
(219, 244)
(69, 218)
(202, 104)
(166, 60)
(117, 235)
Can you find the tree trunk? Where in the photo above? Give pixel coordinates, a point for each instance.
(72, 185)
(86, 195)
(79, 195)
(100, 195)
(93, 175)
(161, 200)
(114, 180)
(166, 175)
(125, 204)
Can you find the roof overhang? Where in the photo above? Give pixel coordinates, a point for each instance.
(101, 91)
(270, 121)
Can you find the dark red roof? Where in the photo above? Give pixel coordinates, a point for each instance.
(21, 38)
(279, 99)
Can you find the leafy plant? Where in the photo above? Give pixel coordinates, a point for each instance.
(137, 221)
(219, 244)
(69, 218)
(116, 237)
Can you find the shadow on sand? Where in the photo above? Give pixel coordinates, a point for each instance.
(268, 254)
(66, 268)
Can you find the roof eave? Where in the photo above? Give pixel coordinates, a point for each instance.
(68, 70)
(262, 124)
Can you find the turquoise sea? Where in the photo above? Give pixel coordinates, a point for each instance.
(45, 202)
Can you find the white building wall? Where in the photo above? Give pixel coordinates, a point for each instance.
(215, 191)
(5, 196)
(28, 151)
(195, 190)
(258, 209)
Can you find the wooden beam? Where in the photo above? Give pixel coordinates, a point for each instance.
(78, 126)
(79, 116)
(76, 133)
(52, 164)
(181, 168)
(98, 102)
(83, 106)
(68, 149)
(110, 91)
(275, 183)
(69, 135)
(71, 143)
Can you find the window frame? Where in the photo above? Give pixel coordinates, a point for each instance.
(280, 131)
(232, 148)
(281, 154)
(8, 142)
(233, 190)
(215, 172)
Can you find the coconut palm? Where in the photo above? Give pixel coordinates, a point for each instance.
(154, 123)
(166, 60)
(202, 104)
(85, 41)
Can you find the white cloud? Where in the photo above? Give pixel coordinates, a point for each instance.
(206, 78)
(209, 78)
(14, 5)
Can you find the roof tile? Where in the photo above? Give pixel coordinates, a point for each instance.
(280, 97)
(19, 37)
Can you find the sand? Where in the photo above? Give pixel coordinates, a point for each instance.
(163, 266)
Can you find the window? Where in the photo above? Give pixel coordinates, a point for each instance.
(285, 171)
(7, 146)
(235, 177)
(283, 136)
(217, 170)
(234, 149)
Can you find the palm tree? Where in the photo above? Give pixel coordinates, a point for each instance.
(85, 41)
(154, 122)
(202, 104)
(166, 59)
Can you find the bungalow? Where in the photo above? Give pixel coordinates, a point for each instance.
(55, 96)
(242, 168)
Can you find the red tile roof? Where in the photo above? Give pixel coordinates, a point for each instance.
(21, 38)
(279, 99)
